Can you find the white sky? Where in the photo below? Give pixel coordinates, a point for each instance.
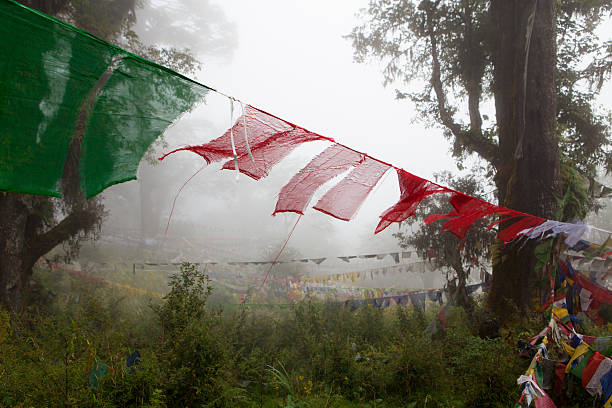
(292, 61)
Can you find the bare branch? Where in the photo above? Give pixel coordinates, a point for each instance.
(473, 136)
(81, 219)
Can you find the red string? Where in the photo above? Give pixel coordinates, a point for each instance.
(280, 252)
(176, 196)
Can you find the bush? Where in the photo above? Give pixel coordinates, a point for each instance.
(194, 355)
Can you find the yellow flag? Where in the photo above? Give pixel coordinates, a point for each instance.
(580, 350)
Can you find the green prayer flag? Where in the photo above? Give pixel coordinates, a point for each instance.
(136, 105)
(539, 375)
(46, 70)
(50, 73)
(96, 373)
(578, 368)
(542, 254)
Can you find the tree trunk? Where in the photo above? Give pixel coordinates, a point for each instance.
(13, 274)
(525, 99)
(461, 296)
(23, 238)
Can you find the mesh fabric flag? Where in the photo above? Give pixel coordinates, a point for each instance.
(270, 152)
(466, 211)
(295, 195)
(69, 87)
(413, 190)
(270, 140)
(135, 106)
(260, 127)
(47, 71)
(345, 198)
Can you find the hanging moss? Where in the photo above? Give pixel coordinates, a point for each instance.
(575, 202)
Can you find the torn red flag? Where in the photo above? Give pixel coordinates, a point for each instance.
(511, 232)
(270, 152)
(413, 190)
(345, 198)
(270, 137)
(295, 195)
(466, 211)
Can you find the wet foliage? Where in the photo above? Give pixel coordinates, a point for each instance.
(307, 354)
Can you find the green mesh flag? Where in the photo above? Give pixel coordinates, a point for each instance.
(96, 373)
(539, 375)
(50, 71)
(135, 106)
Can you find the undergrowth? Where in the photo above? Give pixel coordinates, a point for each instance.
(312, 354)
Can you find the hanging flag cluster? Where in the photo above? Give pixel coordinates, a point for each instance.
(571, 295)
(415, 298)
(579, 294)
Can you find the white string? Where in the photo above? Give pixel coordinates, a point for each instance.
(601, 229)
(231, 101)
(246, 136)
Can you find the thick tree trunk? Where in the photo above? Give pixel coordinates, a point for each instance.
(13, 276)
(525, 98)
(23, 238)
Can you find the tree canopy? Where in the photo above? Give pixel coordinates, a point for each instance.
(514, 82)
(440, 55)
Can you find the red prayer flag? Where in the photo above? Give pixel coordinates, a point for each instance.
(295, 195)
(270, 152)
(467, 210)
(260, 127)
(544, 402)
(511, 232)
(591, 367)
(345, 198)
(413, 190)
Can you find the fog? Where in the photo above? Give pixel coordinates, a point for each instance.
(290, 59)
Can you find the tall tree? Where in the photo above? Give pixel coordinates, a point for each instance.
(446, 249)
(472, 51)
(31, 226)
